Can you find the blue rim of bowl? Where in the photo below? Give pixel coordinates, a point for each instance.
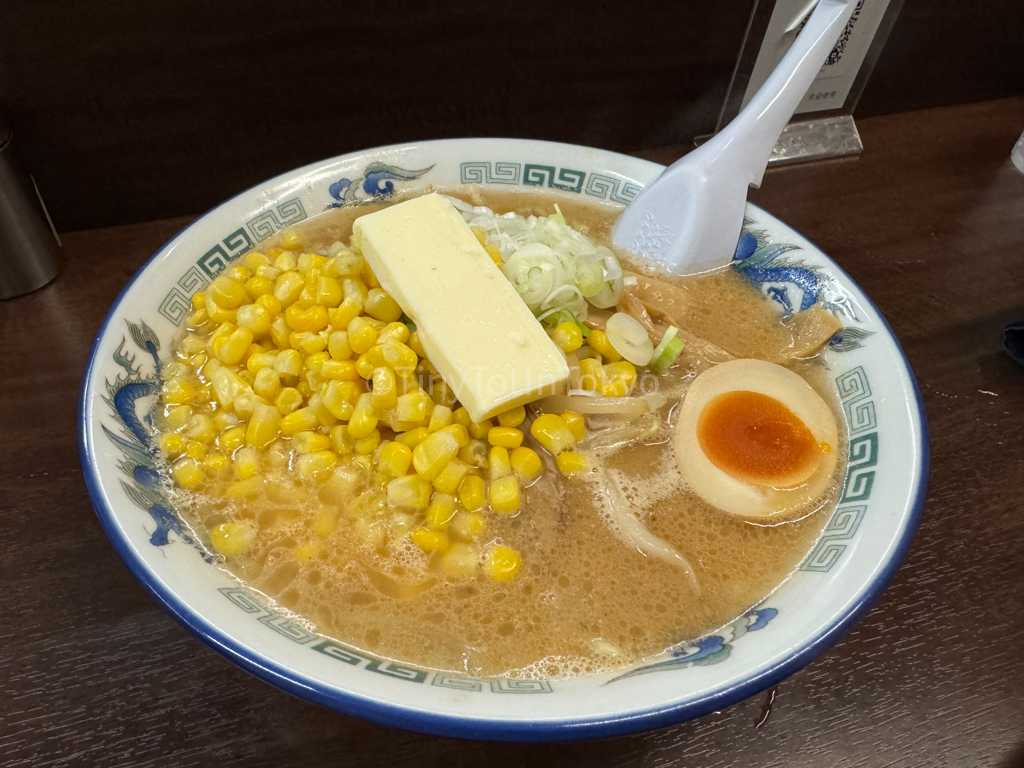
(440, 724)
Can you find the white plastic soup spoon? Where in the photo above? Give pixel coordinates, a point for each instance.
(689, 219)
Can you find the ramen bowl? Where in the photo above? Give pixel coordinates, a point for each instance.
(856, 555)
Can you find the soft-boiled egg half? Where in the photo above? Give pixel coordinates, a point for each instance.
(754, 439)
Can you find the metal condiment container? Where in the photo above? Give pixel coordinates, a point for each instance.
(30, 254)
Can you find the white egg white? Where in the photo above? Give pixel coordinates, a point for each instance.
(721, 489)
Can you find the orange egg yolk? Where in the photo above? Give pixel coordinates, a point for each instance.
(757, 440)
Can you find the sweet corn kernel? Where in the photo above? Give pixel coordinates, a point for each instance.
(341, 316)
(341, 443)
(503, 494)
(480, 429)
(526, 464)
(339, 398)
(259, 361)
(591, 374)
(263, 426)
(513, 417)
(316, 465)
(250, 488)
(361, 335)
(395, 459)
(440, 416)
(222, 420)
(307, 342)
(291, 240)
(338, 346)
(173, 444)
(298, 421)
(314, 318)
(428, 540)
(571, 463)
(288, 287)
(325, 522)
(409, 491)
(345, 263)
(259, 285)
(394, 332)
(441, 393)
(399, 356)
(267, 383)
(480, 233)
(310, 442)
(618, 378)
(344, 370)
(415, 345)
(413, 437)
(471, 492)
(441, 509)
(385, 394)
(506, 437)
(232, 538)
(255, 318)
(226, 292)
(270, 303)
(615, 388)
(370, 278)
(363, 420)
(576, 425)
(367, 445)
(288, 400)
(466, 526)
(177, 391)
(381, 306)
(414, 406)
(195, 449)
(474, 453)
(567, 336)
(459, 561)
(215, 464)
(177, 416)
(450, 478)
(269, 271)
(498, 463)
(494, 253)
(551, 431)
(288, 363)
(323, 414)
(247, 463)
(436, 450)
(598, 340)
(198, 300)
(461, 416)
(328, 292)
(197, 319)
(304, 389)
(217, 313)
(231, 438)
(191, 345)
(502, 563)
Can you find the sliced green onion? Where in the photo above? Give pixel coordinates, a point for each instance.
(667, 351)
(557, 215)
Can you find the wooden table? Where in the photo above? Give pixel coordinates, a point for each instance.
(929, 220)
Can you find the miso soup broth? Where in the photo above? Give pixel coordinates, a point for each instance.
(327, 545)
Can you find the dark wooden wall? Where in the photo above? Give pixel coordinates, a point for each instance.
(126, 111)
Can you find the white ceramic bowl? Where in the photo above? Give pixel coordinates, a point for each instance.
(864, 542)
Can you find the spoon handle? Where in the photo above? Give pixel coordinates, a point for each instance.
(752, 135)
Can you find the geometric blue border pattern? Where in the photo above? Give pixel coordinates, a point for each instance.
(855, 394)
